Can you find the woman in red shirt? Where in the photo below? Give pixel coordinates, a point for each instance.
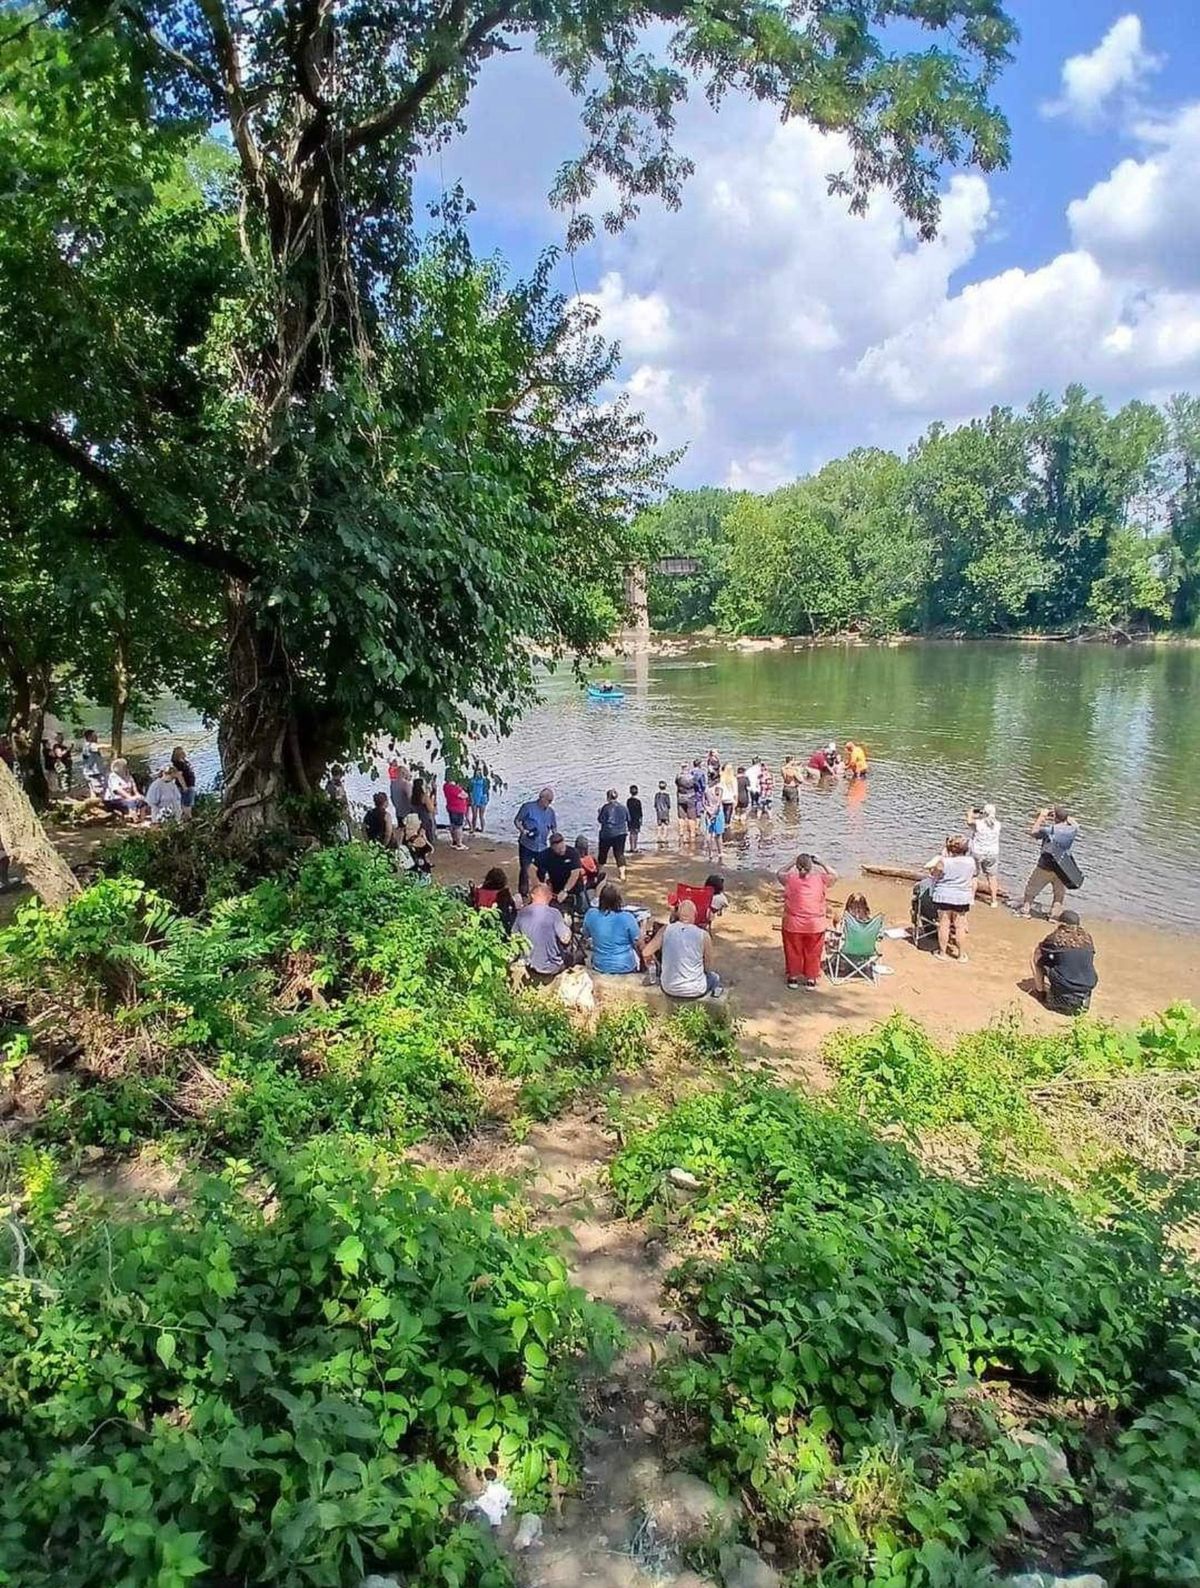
(458, 803)
(805, 887)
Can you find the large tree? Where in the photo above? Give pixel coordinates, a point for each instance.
(395, 465)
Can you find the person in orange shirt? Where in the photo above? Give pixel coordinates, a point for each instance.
(856, 759)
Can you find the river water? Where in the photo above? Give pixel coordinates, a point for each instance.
(1112, 732)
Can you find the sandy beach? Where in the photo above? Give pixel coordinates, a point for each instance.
(1142, 968)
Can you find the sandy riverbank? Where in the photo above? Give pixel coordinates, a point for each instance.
(1142, 969)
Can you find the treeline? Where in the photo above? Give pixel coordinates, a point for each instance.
(1060, 518)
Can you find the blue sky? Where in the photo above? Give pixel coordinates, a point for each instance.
(767, 330)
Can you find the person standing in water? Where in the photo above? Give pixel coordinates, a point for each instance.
(613, 821)
(662, 814)
(480, 792)
(685, 803)
(714, 823)
(729, 789)
(634, 807)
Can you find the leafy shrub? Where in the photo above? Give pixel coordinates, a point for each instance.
(896, 1073)
(197, 863)
(275, 1384)
(1147, 1489)
(699, 1036)
(855, 1310)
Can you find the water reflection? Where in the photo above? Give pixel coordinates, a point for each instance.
(1112, 732)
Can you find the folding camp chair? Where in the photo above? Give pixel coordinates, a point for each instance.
(856, 949)
(924, 912)
(702, 898)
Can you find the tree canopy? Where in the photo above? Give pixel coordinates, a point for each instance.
(1063, 517)
(363, 471)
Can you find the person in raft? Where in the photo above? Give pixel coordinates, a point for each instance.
(806, 886)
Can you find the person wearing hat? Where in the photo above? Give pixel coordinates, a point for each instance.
(985, 845)
(1064, 967)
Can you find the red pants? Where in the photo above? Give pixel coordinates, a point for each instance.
(802, 953)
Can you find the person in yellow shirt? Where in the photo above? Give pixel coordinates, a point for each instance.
(856, 759)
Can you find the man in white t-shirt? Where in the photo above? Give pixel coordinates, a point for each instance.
(985, 845)
(686, 956)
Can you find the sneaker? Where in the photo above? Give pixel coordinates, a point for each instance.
(937, 954)
(810, 983)
(793, 982)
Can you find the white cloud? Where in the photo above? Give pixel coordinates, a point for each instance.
(768, 329)
(1118, 66)
(1143, 221)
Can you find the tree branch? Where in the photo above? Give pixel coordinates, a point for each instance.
(101, 479)
(189, 65)
(402, 114)
(225, 46)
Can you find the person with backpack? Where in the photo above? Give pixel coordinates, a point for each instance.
(1055, 865)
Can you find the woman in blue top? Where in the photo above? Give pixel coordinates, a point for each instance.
(615, 936)
(478, 792)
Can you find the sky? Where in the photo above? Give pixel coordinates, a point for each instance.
(767, 330)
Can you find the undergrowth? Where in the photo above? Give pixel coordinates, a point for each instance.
(281, 1379)
(1021, 1091)
(866, 1324)
(342, 997)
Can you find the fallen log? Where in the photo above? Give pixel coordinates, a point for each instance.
(912, 874)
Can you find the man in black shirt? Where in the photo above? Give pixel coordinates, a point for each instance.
(559, 867)
(1064, 967)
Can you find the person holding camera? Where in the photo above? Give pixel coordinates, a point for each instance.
(985, 846)
(1057, 832)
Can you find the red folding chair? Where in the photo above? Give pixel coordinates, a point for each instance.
(702, 898)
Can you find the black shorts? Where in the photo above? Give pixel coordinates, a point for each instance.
(686, 811)
(613, 845)
(951, 909)
(1066, 1003)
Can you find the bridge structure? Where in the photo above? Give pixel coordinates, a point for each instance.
(636, 602)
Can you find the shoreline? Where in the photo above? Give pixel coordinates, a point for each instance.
(1142, 968)
(664, 642)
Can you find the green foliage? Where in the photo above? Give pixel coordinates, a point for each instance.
(281, 1382)
(1148, 1486)
(1041, 519)
(342, 997)
(855, 1310)
(897, 1074)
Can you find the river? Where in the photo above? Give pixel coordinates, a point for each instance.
(1111, 732)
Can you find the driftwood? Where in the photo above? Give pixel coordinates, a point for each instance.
(911, 874)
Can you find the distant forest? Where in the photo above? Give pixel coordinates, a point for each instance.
(1062, 518)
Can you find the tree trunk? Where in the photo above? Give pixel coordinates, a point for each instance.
(273, 746)
(26, 728)
(26, 841)
(120, 699)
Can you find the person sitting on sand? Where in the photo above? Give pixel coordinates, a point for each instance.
(547, 931)
(494, 893)
(559, 868)
(955, 875)
(720, 902)
(857, 908)
(1064, 967)
(415, 847)
(806, 886)
(379, 827)
(164, 796)
(614, 934)
(985, 846)
(121, 794)
(685, 951)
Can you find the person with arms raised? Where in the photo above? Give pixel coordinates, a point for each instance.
(806, 886)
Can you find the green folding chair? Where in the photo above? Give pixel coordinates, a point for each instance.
(856, 950)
